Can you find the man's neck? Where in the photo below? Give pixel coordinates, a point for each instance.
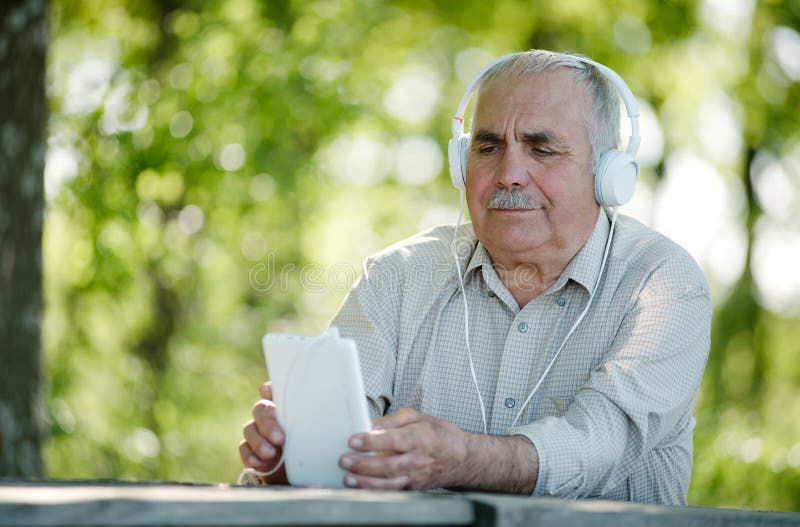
(526, 280)
(527, 276)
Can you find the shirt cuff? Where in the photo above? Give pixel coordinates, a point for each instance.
(561, 451)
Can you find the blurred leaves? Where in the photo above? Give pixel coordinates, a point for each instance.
(219, 169)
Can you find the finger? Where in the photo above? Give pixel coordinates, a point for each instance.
(402, 417)
(267, 423)
(264, 410)
(377, 466)
(397, 440)
(265, 390)
(258, 444)
(369, 482)
(249, 459)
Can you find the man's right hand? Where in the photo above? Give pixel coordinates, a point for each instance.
(263, 438)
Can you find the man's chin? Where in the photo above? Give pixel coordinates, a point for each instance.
(511, 236)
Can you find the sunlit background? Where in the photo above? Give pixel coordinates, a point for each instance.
(216, 170)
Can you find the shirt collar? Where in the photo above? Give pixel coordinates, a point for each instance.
(480, 257)
(585, 266)
(490, 281)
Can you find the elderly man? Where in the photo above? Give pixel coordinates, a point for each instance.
(589, 337)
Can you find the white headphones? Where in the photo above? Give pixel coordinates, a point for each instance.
(616, 171)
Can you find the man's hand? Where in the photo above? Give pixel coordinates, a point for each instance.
(411, 450)
(263, 437)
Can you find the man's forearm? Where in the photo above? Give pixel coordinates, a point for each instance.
(500, 464)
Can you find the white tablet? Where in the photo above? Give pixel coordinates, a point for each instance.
(319, 397)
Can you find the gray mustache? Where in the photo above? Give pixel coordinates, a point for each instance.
(516, 199)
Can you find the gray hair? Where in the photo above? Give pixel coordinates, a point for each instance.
(604, 124)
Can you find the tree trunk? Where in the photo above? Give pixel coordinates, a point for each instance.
(23, 45)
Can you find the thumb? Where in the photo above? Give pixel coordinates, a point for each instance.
(265, 390)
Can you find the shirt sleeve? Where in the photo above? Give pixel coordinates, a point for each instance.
(636, 398)
(369, 315)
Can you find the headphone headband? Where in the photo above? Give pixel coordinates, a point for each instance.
(628, 99)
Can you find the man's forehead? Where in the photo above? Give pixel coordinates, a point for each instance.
(558, 84)
(550, 93)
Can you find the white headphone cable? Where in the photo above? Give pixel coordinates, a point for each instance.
(466, 313)
(577, 322)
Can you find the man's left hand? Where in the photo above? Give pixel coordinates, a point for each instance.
(407, 450)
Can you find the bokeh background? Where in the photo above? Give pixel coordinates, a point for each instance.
(219, 169)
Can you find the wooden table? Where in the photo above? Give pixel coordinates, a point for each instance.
(148, 504)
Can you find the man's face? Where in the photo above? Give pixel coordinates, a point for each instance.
(531, 137)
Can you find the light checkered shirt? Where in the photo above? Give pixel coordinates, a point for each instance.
(613, 417)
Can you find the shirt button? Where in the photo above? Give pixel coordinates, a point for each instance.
(490, 294)
(523, 327)
(510, 403)
(561, 302)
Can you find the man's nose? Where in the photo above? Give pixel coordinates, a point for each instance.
(512, 171)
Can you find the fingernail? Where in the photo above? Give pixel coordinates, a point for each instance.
(266, 450)
(277, 436)
(356, 442)
(253, 461)
(350, 481)
(347, 462)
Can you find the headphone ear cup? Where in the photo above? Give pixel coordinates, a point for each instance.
(457, 150)
(615, 178)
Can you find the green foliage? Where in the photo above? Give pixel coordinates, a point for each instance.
(226, 165)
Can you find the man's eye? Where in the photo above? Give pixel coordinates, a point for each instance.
(487, 149)
(542, 152)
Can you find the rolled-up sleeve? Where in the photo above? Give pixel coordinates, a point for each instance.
(640, 396)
